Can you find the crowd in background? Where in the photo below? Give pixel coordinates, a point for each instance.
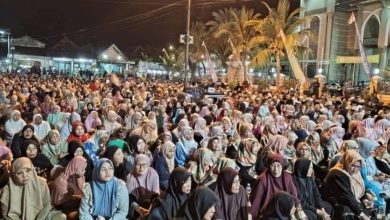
(126, 148)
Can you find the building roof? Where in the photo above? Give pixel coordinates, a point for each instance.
(113, 54)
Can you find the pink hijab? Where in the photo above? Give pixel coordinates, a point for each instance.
(68, 184)
(277, 143)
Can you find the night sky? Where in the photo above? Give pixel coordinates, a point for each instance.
(128, 23)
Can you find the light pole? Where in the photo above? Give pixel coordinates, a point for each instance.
(187, 42)
(12, 58)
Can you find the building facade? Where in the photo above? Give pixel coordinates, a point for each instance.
(336, 52)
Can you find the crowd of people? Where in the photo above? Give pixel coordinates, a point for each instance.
(126, 148)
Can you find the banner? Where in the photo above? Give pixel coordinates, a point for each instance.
(210, 64)
(357, 59)
(361, 48)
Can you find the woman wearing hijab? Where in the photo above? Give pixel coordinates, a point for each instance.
(248, 160)
(67, 128)
(233, 196)
(199, 205)
(343, 187)
(138, 146)
(307, 190)
(143, 185)
(105, 197)
(56, 117)
(203, 170)
(5, 164)
(15, 124)
(78, 132)
(66, 189)
(165, 163)
(92, 121)
(272, 180)
(27, 133)
(122, 167)
(201, 128)
(214, 144)
(96, 144)
(177, 193)
(31, 149)
(75, 148)
(337, 135)
(54, 148)
(280, 207)
(186, 146)
(26, 196)
(41, 127)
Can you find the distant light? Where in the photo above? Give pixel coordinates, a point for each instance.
(224, 70)
(2, 32)
(376, 71)
(273, 70)
(171, 47)
(320, 70)
(105, 56)
(82, 60)
(251, 70)
(119, 57)
(7, 61)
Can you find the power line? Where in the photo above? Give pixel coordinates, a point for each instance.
(136, 17)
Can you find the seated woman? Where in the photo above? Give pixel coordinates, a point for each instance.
(165, 163)
(54, 148)
(272, 180)
(66, 189)
(138, 146)
(176, 194)
(199, 205)
(5, 164)
(105, 197)
(31, 149)
(280, 206)
(344, 186)
(311, 201)
(248, 160)
(233, 196)
(26, 196)
(27, 133)
(75, 148)
(186, 146)
(78, 132)
(202, 167)
(143, 185)
(122, 167)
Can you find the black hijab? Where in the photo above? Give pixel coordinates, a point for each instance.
(175, 197)
(132, 141)
(72, 147)
(120, 171)
(197, 204)
(232, 206)
(40, 161)
(304, 184)
(279, 207)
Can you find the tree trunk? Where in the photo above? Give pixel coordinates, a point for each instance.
(204, 69)
(278, 69)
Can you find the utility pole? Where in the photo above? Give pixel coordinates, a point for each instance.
(187, 43)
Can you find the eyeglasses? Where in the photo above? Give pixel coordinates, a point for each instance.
(141, 165)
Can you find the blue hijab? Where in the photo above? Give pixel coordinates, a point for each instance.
(104, 193)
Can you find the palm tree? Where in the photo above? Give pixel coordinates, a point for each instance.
(272, 29)
(234, 25)
(172, 60)
(199, 32)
